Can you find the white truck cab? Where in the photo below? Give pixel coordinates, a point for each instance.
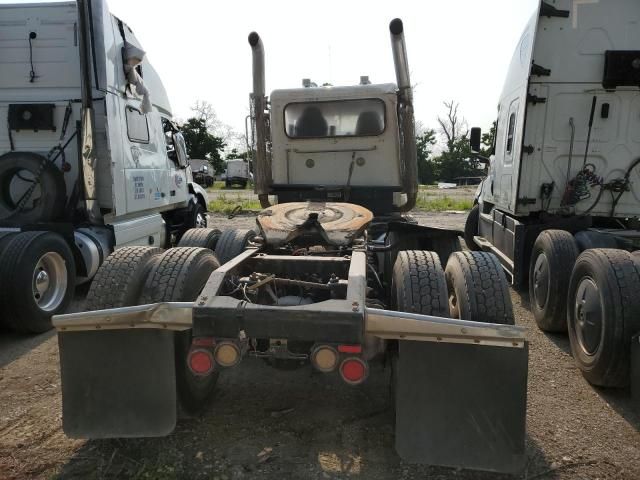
(89, 152)
(561, 202)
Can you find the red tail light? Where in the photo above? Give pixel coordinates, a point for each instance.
(350, 348)
(353, 370)
(200, 361)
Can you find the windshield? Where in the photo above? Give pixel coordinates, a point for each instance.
(344, 118)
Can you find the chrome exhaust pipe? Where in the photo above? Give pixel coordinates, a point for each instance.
(399, 50)
(405, 115)
(262, 165)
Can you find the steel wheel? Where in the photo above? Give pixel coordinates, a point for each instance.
(588, 316)
(454, 309)
(201, 220)
(541, 281)
(552, 258)
(50, 281)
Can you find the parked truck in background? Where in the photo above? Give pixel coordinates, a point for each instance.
(90, 158)
(561, 202)
(237, 173)
(203, 172)
(335, 277)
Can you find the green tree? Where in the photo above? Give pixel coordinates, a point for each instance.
(203, 144)
(488, 139)
(426, 166)
(235, 154)
(456, 159)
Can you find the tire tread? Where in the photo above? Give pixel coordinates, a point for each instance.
(420, 283)
(115, 282)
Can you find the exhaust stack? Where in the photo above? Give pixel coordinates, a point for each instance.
(262, 164)
(405, 113)
(87, 152)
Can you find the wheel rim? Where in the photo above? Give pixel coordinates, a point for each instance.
(588, 316)
(541, 280)
(454, 309)
(201, 220)
(49, 284)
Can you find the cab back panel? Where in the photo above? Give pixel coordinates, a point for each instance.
(55, 48)
(574, 49)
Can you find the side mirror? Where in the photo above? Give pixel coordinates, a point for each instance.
(475, 139)
(182, 159)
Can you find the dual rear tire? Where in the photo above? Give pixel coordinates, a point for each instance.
(603, 314)
(141, 275)
(37, 279)
(593, 295)
(472, 287)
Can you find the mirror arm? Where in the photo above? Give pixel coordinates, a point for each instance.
(482, 158)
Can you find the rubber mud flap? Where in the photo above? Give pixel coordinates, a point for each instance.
(462, 405)
(117, 383)
(635, 371)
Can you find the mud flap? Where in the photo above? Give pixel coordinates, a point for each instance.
(462, 405)
(117, 383)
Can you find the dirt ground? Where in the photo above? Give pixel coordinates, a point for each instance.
(265, 423)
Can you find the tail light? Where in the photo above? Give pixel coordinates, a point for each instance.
(353, 370)
(324, 358)
(227, 354)
(200, 361)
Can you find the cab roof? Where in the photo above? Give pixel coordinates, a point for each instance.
(311, 94)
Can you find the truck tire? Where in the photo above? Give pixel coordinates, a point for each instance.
(199, 216)
(232, 243)
(552, 259)
(471, 228)
(52, 190)
(5, 237)
(119, 280)
(200, 237)
(587, 239)
(478, 289)
(37, 280)
(445, 246)
(418, 284)
(179, 276)
(603, 314)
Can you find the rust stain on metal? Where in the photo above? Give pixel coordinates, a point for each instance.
(339, 221)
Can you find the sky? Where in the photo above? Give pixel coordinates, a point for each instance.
(457, 49)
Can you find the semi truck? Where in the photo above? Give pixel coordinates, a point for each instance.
(91, 159)
(237, 173)
(334, 277)
(561, 201)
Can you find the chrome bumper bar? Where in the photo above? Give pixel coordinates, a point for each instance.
(385, 324)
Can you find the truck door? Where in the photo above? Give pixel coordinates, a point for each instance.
(148, 175)
(504, 171)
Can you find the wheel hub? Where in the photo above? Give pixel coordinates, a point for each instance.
(201, 221)
(588, 316)
(49, 281)
(42, 281)
(454, 311)
(541, 280)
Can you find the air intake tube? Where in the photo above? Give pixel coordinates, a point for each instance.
(262, 163)
(405, 115)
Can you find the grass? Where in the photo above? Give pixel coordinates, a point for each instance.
(442, 204)
(228, 203)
